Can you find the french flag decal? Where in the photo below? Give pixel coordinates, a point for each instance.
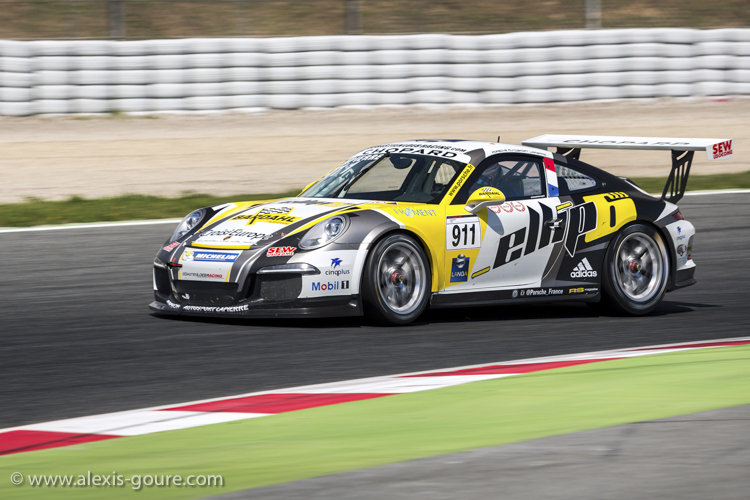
(549, 168)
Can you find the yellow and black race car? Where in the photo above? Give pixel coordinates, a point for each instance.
(404, 226)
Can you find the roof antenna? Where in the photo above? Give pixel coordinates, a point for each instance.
(498, 138)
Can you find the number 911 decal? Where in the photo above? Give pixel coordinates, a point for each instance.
(462, 232)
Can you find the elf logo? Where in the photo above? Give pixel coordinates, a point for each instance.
(317, 286)
(583, 270)
(571, 223)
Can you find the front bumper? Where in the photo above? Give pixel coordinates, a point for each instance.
(303, 308)
(266, 296)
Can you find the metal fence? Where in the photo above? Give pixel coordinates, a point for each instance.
(151, 19)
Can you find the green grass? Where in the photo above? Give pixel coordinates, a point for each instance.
(179, 18)
(36, 212)
(740, 180)
(350, 436)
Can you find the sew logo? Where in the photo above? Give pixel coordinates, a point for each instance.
(280, 251)
(720, 151)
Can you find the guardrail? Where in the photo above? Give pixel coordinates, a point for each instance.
(249, 74)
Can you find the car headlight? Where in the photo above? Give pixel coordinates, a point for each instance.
(325, 232)
(187, 224)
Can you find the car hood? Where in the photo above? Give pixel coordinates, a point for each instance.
(258, 223)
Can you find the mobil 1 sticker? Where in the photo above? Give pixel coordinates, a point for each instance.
(462, 231)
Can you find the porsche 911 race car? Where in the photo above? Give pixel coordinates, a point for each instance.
(404, 226)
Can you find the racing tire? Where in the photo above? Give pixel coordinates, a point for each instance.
(397, 281)
(636, 272)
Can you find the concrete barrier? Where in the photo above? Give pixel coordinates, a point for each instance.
(50, 77)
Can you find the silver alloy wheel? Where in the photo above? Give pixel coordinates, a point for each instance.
(640, 267)
(400, 278)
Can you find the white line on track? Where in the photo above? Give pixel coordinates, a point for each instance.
(336, 387)
(95, 225)
(89, 225)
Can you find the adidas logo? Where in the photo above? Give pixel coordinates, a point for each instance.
(583, 270)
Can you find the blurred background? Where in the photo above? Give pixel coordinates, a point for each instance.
(144, 19)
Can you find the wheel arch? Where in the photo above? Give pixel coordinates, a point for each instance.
(431, 258)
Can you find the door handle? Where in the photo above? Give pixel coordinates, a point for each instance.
(554, 223)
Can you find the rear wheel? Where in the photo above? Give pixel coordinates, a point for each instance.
(636, 271)
(397, 281)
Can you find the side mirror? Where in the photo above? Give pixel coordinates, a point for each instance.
(484, 197)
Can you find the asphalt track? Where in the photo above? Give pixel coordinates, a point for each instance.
(78, 339)
(698, 456)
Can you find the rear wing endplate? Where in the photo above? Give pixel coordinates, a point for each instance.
(682, 152)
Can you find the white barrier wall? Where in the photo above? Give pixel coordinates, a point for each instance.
(328, 71)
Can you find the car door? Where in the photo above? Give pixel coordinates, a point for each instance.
(509, 244)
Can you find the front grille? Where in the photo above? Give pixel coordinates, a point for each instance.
(206, 294)
(280, 288)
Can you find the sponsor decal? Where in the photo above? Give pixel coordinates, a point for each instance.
(460, 269)
(186, 274)
(515, 150)
(543, 292)
(235, 233)
(583, 270)
(384, 202)
(614, 211)
(508, 207)
(280, 251)
(205, 256)
(217, 309)
(574, 223)
(514, 294)
(185, 296)
(272, 215)
(680, 236)
(583, 290)
(462, 232)
(317, 286)
(411, 212)
(172, 304)
(336, 272)
(480, 272)
(721, 150)
(681, 250)
(461, 179)
(171, 246)
(636, 143)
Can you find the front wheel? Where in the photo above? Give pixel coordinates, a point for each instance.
(636, 271)
(397, 281)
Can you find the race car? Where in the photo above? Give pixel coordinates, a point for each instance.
(405, 226)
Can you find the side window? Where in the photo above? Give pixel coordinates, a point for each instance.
(570, 180)
(517, 178)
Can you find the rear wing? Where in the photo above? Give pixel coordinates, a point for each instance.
(682, 152)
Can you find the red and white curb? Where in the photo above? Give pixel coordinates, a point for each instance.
(260, 404)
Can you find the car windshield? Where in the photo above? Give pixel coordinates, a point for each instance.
(396, 177)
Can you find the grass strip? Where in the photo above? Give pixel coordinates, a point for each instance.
(361, 434)
(37, 212)
(740, 180)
